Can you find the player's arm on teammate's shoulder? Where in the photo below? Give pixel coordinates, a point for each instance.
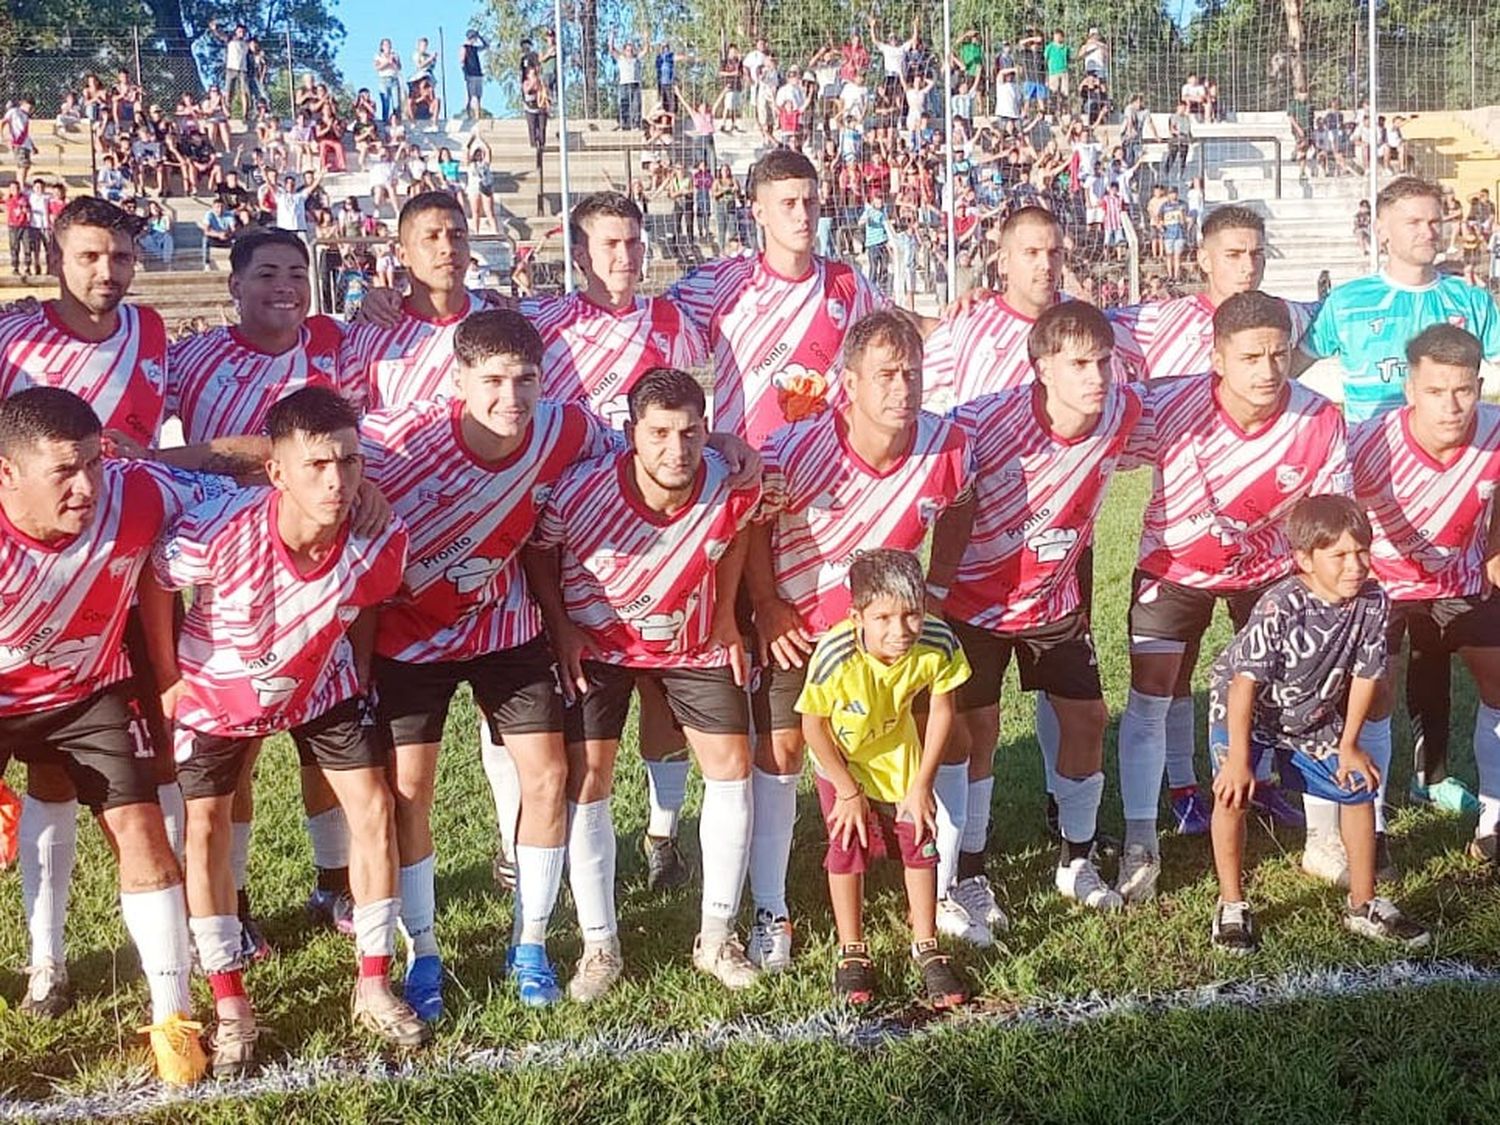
(849, 818)
(728, 572)
(543, 566)
(950, 538)
(242, 456)
(371, 512)
(742, 458)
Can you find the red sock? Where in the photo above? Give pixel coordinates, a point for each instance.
(374, 966)
(1183, 791)
(228, 985)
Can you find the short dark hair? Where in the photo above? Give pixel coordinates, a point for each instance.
(40, 414)
(777, 165)
(887, 573)
(1232, 216)
(315, 411)
(243, 249)
(883, 326)
(1251, 309)
(1320, 521)
(91, 211)
(1069, 322)
(491, 332)
(668, 388)
(1407, 187)
(426, 201)
(611, 203)
(1445, 343)
(1027, 215)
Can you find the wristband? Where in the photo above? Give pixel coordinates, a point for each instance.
(858, 792)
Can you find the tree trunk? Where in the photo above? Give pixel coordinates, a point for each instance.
(1295, 59)
(754, 20)
(588, 26)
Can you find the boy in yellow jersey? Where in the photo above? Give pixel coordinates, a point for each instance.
(874, 772)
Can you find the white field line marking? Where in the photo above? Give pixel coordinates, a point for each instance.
(838, 1026)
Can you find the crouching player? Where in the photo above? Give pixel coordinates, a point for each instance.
(1298, 681)
(874, 772)
(279, 638)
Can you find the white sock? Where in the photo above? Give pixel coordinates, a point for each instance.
(1181, 740)
(1143, 754)
(770, 840)
(666, 784)
(174, 814)
(724, 840)
(591, 869)
(217, 940)
(538, 875)
(1078, 806)
(329, 833)
(49, 847)
(1487, 759)
(1048, 738)
(1322, 818)
(239, 854)
(951, 791)
(157, 922)
(419, 908)
(505, 786)
(375, 927)
(1375, 740)
(977, 815)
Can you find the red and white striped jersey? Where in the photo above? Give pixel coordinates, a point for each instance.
(1431, 520)
(829, 505)
(220, 384)
(464, 593)
(595, 355)
(124, 378)
(642, 584)
(1036, 496)
(1219, 493)
(1170, 338)
(777, 341)
(412, 361)
(264, 647)
(63, 604)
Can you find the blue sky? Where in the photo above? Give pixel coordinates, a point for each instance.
(368, 22)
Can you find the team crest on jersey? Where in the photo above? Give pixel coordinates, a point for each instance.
(472, 575)
(271, 690)
(117, 568)
(1053, 544)
(714, 549)
(838, 312)
(322, 364)
(1485, 489)
(662, 343)
(153, 373)
(927, 509)
(1289, 477)
(347, 614)
(539, 495)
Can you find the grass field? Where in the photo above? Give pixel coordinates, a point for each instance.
(1405, 1054)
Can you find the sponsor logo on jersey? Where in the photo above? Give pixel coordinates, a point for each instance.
(1289, 477)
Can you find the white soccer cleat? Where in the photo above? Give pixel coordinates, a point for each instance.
(725, 960)
(770, 947)
(1140, 867)
(977, 897)
(598, 970)
(1080, 881)
(1324, 858)
(954, 921)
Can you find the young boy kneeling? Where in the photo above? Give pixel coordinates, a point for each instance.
(1298, 681)
(874, 773)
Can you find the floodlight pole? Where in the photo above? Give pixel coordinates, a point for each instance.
(562, 145)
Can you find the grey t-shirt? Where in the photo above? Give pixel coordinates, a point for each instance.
(1302, 653)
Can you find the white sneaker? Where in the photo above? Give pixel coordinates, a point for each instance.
(1323, 858)
(1140, 867)
(1081, 882)
(955, 922)
(976, 896)
(598, 969)
(725, 960)
(770, 947)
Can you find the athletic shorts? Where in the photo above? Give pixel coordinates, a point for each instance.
(774, 694)
(890, 837)
(1033, 91)
(1171, 612)
(703, 699)
(101, 743)
(1445, 624)
(516, 690)
(1057, 658)
(348, 736)
(1299, 771)
(1174, 245)
(144, 683)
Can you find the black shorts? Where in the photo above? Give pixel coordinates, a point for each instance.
(773, 700)
(1057, 658)
(1172, 612)
(101, 742)
(143, 679)
(1445, 624)
(345, 737)
(516, 690)
(703, 699)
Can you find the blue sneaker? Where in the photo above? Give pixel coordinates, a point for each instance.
(1192, 812)
(424, 988)
(1271, 802)
(1451, 795)
(535, 979)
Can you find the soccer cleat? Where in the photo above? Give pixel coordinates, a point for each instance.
(388, 1017)
(598, 969)
(503, 869)
(1140, 867)
(424, 987)
(1080, 881)
(1234, 929)
(233, 1046)
(666, 870)
(1381, 920)
(770, 947)
(1486, 849)
(47, 993)
(955, 922)
(977, 897)
(10, 826)
(725, 960)
(854, 974)
(253, 944)
(1450, 795)
(334, 909)
(180, 1060)
(1271, 802)
(942, 987)
(536, 982)
(1323, 858)
(1192, 812)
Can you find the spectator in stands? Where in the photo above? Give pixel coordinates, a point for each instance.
(1195, 96)
(215, 117)
(388, 79)
(234, 194)
(422, 63)
(1211, 108)
(219, 225)
(727, 200)
(1095, 56)
(157, 242)
(1093, 99)
(257, 68)
(124, 103)
(731, 87)
(666, 75)
(1032, 60)
(1482, 211)
(479, 184)
(423, 104)
(236, 63)
(17, 223)
(1059, 58)
(536, 101)
(95, 103)
(292, 201)
(1179, 139)
(16, 125)
(201, 172)
(329, 134)
(1362, 226)
(471, 62)
(148, 158)
(111, 184)
(69, 114)
(703, 182)
(877, 240)
(893, 55)
(1395, 140)
(1112, 210)
(1174, 223)
(366, 135)
(628, 82)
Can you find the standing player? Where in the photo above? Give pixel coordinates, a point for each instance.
(1231, 452)
(874, 472)
(1044, 455)
(650, 558)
